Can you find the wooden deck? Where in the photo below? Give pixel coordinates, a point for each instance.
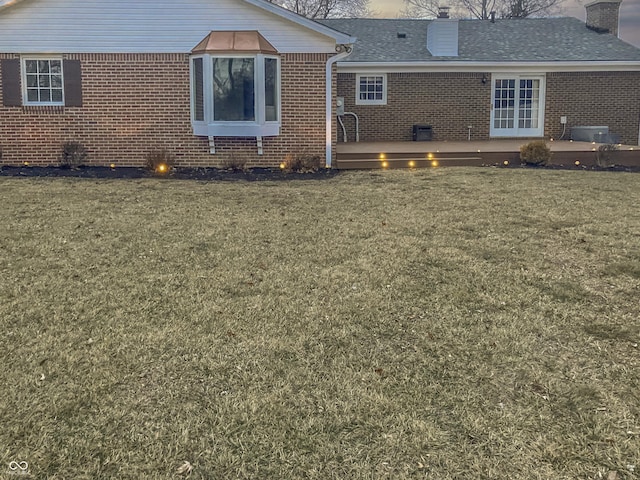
(369, 155)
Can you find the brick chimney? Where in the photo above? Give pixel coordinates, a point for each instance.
(603, 16)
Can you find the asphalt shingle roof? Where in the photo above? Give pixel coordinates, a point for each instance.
(519, 40)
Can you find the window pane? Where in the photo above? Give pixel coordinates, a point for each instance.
(198, 86)
(45, 95)
(56, 66)
(43, 81)
(56, 95)
(31, 66)
(32, 95)
(271, 89)
(43, 66)
(233, 92)
(32, 80)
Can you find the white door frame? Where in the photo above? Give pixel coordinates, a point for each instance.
(512, 120)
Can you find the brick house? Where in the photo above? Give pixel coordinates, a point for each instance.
(473, 79)
(214, 80)
(207, 80)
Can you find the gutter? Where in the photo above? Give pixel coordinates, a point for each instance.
(345, 51)
(453, 66)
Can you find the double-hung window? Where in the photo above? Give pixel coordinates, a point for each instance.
(235, 94)
(42, 81)
(371, 89)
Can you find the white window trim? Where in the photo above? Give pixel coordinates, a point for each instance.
(258, 128)
(384, 89)
(23, 79)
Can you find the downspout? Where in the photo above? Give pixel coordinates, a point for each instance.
(343, 51)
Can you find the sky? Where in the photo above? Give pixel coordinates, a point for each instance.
(629, 15)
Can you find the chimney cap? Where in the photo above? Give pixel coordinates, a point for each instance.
(443, 12)
(596, 2)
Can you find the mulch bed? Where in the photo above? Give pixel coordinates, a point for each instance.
(254, 174)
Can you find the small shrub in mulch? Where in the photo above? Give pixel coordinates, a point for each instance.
(535, 153)
(74, 154)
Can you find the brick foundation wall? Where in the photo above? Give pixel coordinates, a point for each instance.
(451, 102)
(594, 98)
(136, 103)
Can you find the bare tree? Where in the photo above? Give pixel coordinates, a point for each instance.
(318, 9)
(482, 9)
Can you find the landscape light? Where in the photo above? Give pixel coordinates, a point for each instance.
(112, 165)
(283, 166)
(505, 163)
(385, 164)
(434, 163)
(412, 164)
(577, 162)
(429, 156)
(26, 164)
(162, 168)
(382, 156)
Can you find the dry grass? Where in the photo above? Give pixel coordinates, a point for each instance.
(441, 324)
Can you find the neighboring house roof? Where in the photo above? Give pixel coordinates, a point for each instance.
(517, 40)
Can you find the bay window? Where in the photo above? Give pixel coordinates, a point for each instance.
(235, 95)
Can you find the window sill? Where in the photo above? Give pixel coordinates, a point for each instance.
(239, 129)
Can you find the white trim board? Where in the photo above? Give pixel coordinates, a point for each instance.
(511, 67)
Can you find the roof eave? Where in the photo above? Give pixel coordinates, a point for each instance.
(339, 37)
(469, 66)
(8, 3)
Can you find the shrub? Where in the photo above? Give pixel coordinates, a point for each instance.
(160, 161)
(74, 154)
(535, 153)
(605, 154)
(302, 163)
(234, 163)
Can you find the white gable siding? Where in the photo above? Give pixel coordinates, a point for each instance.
(143, 26)
(442, 38)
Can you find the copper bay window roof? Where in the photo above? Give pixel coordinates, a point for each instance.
(248, 41)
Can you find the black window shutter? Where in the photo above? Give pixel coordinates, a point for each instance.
(11, 92)
(72, 73)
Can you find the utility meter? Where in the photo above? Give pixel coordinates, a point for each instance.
(340, 106)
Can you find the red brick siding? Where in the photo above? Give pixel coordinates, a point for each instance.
(135, 103)
(594, 98)
(451, 102)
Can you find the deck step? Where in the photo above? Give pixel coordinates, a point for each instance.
(405, 162)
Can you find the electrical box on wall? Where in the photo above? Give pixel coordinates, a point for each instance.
(340, 106)
(563, 120)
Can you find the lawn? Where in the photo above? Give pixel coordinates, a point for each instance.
(462, 323)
